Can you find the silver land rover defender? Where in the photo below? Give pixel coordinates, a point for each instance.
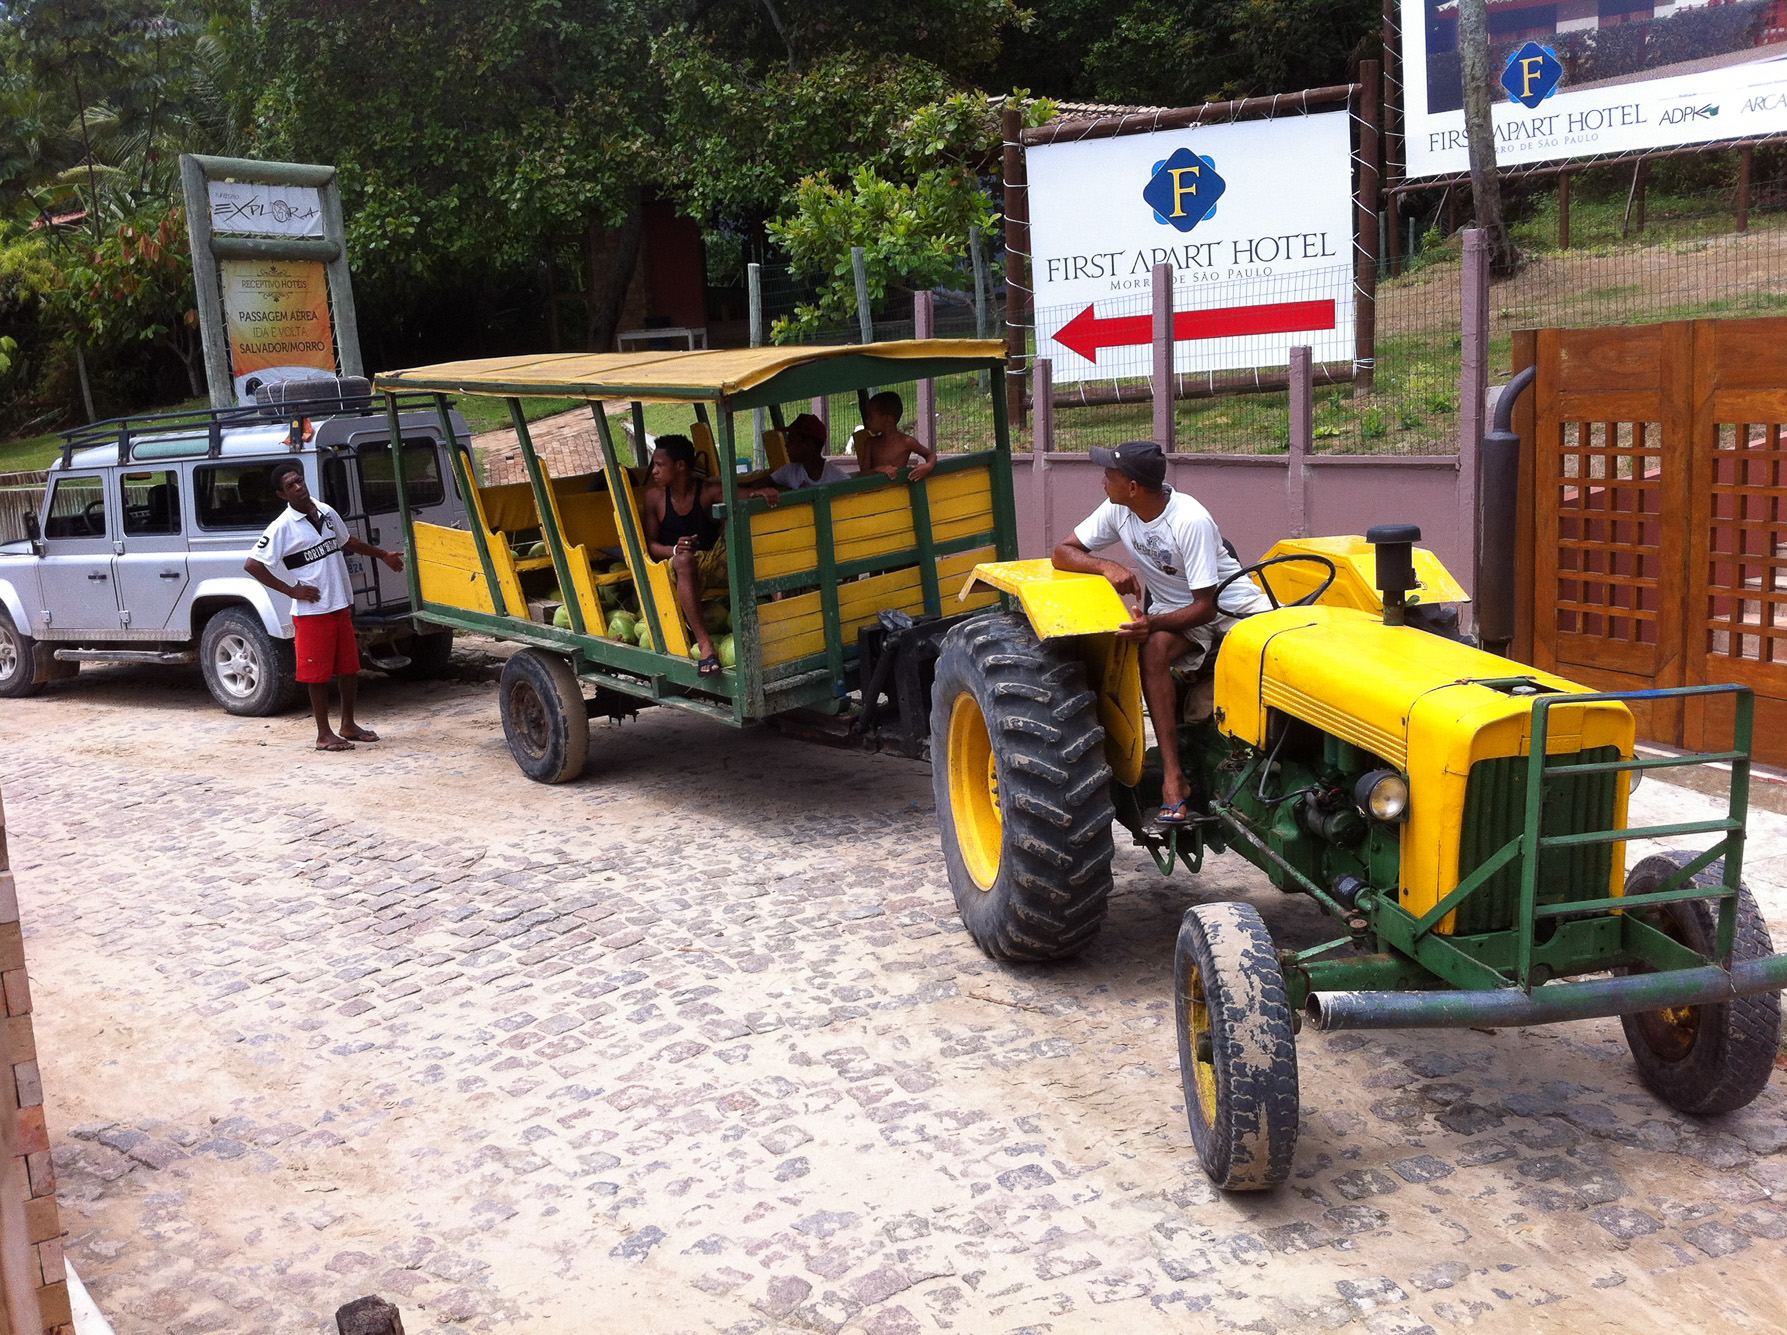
(136, 552)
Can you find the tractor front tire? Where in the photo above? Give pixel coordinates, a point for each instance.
(1237, 1050)
(1714, 1058)
(544, 719)
(1023, 790)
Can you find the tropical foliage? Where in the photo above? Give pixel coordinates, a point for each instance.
(497, 160)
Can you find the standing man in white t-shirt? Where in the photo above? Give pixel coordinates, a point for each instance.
(1176, 545)
(300, 555)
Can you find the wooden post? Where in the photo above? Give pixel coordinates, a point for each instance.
(1296, 478)
(1164, 378)
(1563, 210)
(1393, 204)
(1746, 160)
(924, 324)
(1042, 441)
(1017, 261)
(1367, 199)
(1473, 380)
(822, 410)
(368, 1316)
(859, 270)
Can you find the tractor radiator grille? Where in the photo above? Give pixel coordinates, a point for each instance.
(1494, 810)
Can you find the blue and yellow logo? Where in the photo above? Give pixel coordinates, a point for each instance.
(1183, 190)
(1532, 74)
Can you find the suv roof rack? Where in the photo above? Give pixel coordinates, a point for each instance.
(125, 432)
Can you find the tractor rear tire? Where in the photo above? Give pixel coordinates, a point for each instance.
(1023, 790)
(1237, 1050)
(544, 719)
(1707, 1059)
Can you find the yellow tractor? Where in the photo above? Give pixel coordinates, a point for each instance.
(1462, 818)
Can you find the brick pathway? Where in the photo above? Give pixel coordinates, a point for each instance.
(697, 1044)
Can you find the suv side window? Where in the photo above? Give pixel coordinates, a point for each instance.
(421, 476)
(77, 509)
(236, 495)
(151, 503)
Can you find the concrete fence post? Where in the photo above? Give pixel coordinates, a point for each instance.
(1296, 480)
(1163, 356)
(754, 312)
(1042, 442)
(924, 325)
(1473, 391)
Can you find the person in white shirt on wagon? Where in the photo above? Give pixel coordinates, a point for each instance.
(1178, 549)
(304, 545)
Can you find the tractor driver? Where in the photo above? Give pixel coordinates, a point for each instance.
(1175, 545)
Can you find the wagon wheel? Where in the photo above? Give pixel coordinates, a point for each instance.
(544, 719)
(1237, 1055)
(1713, 1058)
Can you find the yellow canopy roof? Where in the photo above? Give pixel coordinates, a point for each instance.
(671, 376)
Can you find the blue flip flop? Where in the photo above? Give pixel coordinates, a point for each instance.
(1175, 815)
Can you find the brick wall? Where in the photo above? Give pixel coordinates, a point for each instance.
(31, 1141)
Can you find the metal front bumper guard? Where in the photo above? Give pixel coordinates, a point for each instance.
(1505, 1008)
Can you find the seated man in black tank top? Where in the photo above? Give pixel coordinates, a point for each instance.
(680, 528)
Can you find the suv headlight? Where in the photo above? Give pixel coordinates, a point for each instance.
(1383, 795)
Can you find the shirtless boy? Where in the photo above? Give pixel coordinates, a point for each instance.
(881, 447)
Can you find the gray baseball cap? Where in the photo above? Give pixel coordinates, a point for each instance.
(1142, 460)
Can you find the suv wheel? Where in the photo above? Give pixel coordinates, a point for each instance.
(18, 661)
(247, 671)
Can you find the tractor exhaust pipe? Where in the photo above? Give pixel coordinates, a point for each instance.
(1507, 1008)
(1498, 487)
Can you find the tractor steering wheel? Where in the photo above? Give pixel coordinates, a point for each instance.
(1266, 584)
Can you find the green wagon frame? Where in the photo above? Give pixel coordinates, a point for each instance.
(804, 576)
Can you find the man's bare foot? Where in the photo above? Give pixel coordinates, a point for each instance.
(357, 734)
(333, 743)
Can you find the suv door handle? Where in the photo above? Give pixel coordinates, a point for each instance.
(169, 574)
(95, 575)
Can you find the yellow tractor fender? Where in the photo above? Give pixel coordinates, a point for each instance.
(1064, 604)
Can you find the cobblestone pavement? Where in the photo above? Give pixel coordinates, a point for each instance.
(697, 1044)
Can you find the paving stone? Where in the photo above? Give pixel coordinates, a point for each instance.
(773, 1085)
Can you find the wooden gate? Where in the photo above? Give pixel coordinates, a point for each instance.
(1654, 552)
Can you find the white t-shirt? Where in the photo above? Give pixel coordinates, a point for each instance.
(1179, 551)
(792, 477)
(302, 552)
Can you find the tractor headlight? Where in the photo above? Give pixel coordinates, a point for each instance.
(1383, 795)
(1634, 777)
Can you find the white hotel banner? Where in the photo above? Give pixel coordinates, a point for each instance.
(1584, 78)
(1256, 218)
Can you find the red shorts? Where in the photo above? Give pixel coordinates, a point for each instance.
(326, 646)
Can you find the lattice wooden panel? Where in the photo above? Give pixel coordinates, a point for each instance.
(1609, 530)
(1745, 590)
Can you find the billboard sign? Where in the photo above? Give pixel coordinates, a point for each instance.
(1583, 79)
(1256, 218)
(277, 314)
(254, 208)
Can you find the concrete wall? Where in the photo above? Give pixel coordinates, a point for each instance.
(1258, 499)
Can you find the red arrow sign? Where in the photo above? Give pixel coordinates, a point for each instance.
(1086, 333)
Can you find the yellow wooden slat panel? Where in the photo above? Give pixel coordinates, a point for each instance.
(873, 501)
(784, 542)
(780, 518)
(449, 586)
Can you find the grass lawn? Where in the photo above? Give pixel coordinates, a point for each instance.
(482, 413)
(29, 453)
